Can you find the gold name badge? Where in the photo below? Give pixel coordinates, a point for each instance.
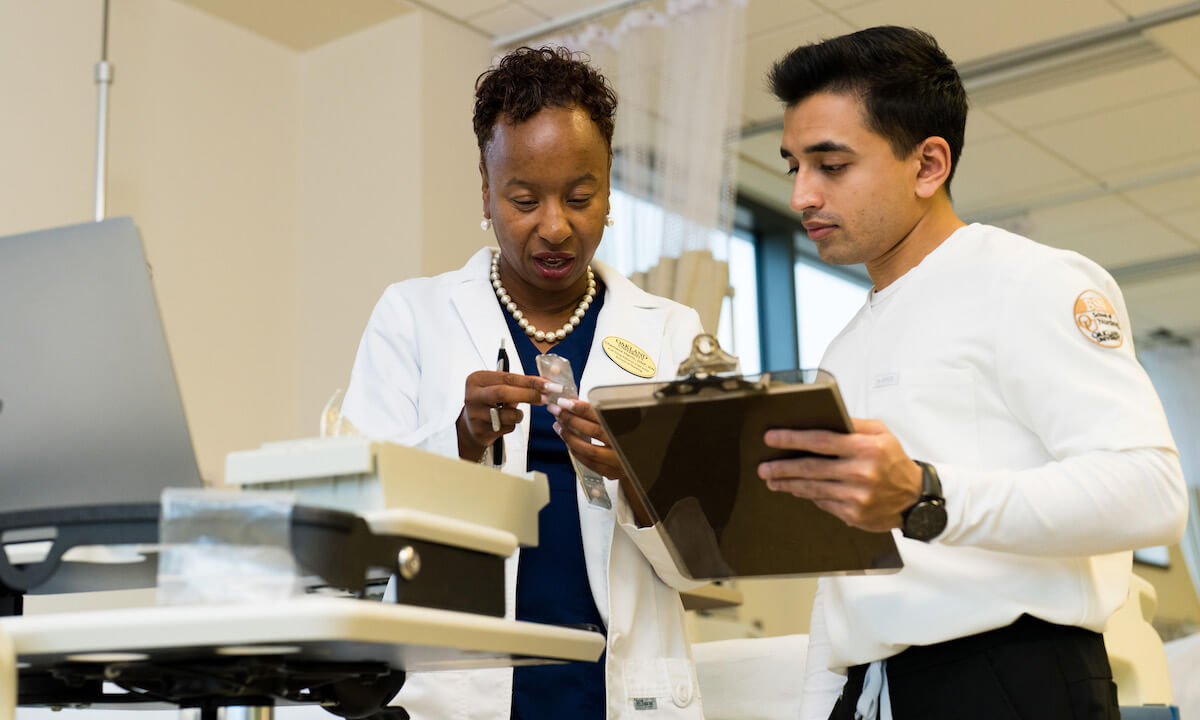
(630, 357)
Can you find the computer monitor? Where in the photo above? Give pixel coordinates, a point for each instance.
(90, 410)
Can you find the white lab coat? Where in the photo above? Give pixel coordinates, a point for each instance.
(424, 338)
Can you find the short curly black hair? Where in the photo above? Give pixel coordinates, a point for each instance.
(526, 80)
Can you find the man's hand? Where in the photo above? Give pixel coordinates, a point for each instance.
(578, 425)
(487, 391)
(866, 478)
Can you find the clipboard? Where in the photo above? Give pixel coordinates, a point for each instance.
(691, 450)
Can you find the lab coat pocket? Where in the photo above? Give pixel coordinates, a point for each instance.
(941, 400)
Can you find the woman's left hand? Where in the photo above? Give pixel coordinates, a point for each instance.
(578, 426)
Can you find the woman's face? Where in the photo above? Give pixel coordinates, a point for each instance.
(545, 188)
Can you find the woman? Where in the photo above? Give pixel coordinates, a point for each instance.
(544, 123)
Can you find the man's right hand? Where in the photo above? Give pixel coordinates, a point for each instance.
(489, 390)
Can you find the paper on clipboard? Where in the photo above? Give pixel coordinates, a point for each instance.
(692, 449)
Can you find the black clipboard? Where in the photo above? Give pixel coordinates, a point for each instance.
(691, 449)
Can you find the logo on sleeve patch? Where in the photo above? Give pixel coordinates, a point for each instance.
(1096, 319)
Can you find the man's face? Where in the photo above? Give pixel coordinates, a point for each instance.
(857, 199)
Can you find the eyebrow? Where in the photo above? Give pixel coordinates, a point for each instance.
(574, 181)
(824, 146)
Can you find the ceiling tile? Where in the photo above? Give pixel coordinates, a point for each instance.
(981, 126)
(1097, 94)
(1122, 243)
(770, 15)
(1180, 38)
(1187, 222)
(764, 150)
(303, 25)
(1137, 8)
(1153, 171)
(560, 8)
(1009, 170)
(1171, 302)
(972, 30)
(765, 49)
(463, 9)
(1169, 196)
(1077, 217)
(1135, 135)
(507, 19)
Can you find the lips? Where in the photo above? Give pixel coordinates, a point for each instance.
(817, 231)
(554, 266)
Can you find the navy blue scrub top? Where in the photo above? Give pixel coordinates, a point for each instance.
(552, 581)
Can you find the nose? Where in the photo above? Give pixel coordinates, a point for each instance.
(554, 227)
(805, 195)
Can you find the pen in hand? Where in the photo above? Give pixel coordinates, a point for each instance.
(498, 446)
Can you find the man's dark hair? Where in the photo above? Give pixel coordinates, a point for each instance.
(527, 80)
(908, 87)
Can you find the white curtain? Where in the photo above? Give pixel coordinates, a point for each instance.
(1175, 371)
(678, 76)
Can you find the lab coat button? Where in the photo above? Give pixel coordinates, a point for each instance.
(683, 694)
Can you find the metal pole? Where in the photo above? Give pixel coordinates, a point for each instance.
(104, 78)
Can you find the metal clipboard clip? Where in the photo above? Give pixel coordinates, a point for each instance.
(709, 367)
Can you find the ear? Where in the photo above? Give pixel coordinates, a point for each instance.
(608, 187)
(933, 166)
(486, 191)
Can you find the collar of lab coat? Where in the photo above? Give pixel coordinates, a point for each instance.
(629, 313)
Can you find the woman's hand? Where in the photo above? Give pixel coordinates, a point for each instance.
(578, 426)
(489, 391)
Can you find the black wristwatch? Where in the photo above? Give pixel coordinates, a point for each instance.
(926, 519)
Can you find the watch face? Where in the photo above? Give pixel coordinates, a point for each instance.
(926, 520)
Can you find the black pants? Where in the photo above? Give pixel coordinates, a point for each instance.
(1030, 670)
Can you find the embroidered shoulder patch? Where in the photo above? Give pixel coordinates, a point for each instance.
(1096, 319)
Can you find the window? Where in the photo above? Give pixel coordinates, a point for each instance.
(738, 331)
(825, 302)
(786, 305)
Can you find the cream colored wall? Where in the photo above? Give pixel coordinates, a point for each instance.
(202, 151)
(1178, 610)
(278, 193)
(452, 204)
(361, 195)
(389, 186)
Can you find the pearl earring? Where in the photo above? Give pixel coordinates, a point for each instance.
(609, 221)
(485, 224)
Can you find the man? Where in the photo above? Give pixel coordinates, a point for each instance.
(1001, 366)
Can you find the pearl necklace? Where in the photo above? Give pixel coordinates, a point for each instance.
(530, 330)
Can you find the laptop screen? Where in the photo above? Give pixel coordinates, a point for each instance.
(90, 411)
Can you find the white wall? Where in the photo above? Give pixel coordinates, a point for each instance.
(277, 192)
